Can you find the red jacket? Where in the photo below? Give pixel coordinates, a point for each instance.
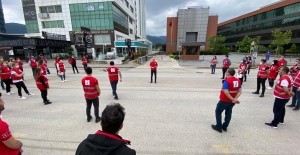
(33, 63)
(18, 71)
(84, 61)
(234, 85)
(5, 73)
(113, 72)
(273, 71)
(89, 83)
(39, 84)
(153, 65)
(262, 71)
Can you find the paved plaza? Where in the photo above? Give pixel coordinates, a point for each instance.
(173, 116)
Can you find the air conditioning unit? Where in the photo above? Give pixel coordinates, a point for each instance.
(44, 15)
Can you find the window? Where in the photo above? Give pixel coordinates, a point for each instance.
(53, 24)
(102, 39)
(131, 9)
(191, 51)
(58, 9)
(131, 31)
(51, 9)
(127, 4)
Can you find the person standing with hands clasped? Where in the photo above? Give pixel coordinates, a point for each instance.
(231, 91)
(153, 66)
(282, 93)
(33, 65)
(262, 75)
(84, 62)
(91, 93)
(226, 64)
(72, 61)
(113, 74)
(61, 70)
(42, 84)
(213, 64)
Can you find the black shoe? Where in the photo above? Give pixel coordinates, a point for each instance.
(296, 109)
(47, 102)
(155, 81)
(270, 125)
(255, 92)
(262, 95)
(291, 105)
(116, 98)
(224, 129)
(222, 78)
(151, 82)
(97, 120)
(89, 119)
(216, 128)
(244, 81)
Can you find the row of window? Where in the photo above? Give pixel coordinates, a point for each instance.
(99, 39)
(294, 8)
(90, 7)
(92, 16)
(51, 9)
(53, 24)
(32, 26)
(94, 24)
(120, 20)
(270, 25)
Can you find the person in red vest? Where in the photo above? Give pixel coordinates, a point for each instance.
(249, 64)
(61, 70)
(213, 64)
(231, 91)
(41, 65)
(42, 57)
(274, 68)
(72, 61)
(282, 61)
(84, 62)
(153, 66)
(91, 93)
(16, 77)
(108, 140)
(262, 75)
(296, 85)
(113, 74)
(282, 93)
(33, 65)
(226, 64)
(132, 55)
(20, 63)
(242, 70)
(55, 64)
(6, 77)
(8, 144)
(294, 69)
(42, 84)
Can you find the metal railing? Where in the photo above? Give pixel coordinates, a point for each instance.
(145, 58)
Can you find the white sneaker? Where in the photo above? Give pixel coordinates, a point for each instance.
(8, 93)
(66, 80)
(30, 94)
(62, 81)
(269, 88)
(12, 92)
(23, 98)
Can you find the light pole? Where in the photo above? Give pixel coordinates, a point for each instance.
(103, 48)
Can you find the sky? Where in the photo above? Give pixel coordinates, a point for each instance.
(157, 11)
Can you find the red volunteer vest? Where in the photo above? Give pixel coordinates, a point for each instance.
(43, 67)
(5, 74)
(89, 88)
(233, 88)
(278, 91)
(273, 71)
(249, 62)
(33, 63)
(39, 85)
(293, 72)
(18, 71)
(226, 63)
(296, 82)
(242, 68)
(262, 72)
(281, 62)
(113, 73)
(84, 61)
(20, 63)
(153, 66)
(70, 61)
(214, 61)
(55, 62)
(61, 66)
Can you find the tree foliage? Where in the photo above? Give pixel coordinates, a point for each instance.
(217, 43)
(281, 38)
(245, 44)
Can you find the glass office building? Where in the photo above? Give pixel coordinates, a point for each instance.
(283, 14)
(110, 22)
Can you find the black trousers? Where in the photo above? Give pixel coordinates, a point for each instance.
(114, 87)
(74, 66)
(221, 106)
(153, 72)
(271, 82)
(241, 79)
(224, 69)
(261, 82)
(21, 85)
(7, 84)
(95, 103)
(33, 72)
(44, 94)
(279, 110)
(85, 66)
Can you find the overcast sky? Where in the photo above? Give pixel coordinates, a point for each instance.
(157, 11)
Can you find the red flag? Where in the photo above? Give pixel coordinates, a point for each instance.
(170, 24)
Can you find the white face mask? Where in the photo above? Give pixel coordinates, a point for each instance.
(260, 63)
(17, 66)
(272, 63)
(42, 72)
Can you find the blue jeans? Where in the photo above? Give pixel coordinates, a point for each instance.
(114, 87)
(213, 68)
(271, 82)
(296, 97)
(221, 106)
(63, 76)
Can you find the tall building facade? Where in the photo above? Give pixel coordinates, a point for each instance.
(284, 14)
(189, 31)
(2, 21)
(110, 22)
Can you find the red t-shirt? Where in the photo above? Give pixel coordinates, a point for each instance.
(113, 73)
(281, 62)
(89, 88)
(5, 134)
(153, 65)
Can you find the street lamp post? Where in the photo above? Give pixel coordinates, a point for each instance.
(103, 48)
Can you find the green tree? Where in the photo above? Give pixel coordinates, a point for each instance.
(281, 38)
(293, 48)
(245, 44)
(217, 43)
